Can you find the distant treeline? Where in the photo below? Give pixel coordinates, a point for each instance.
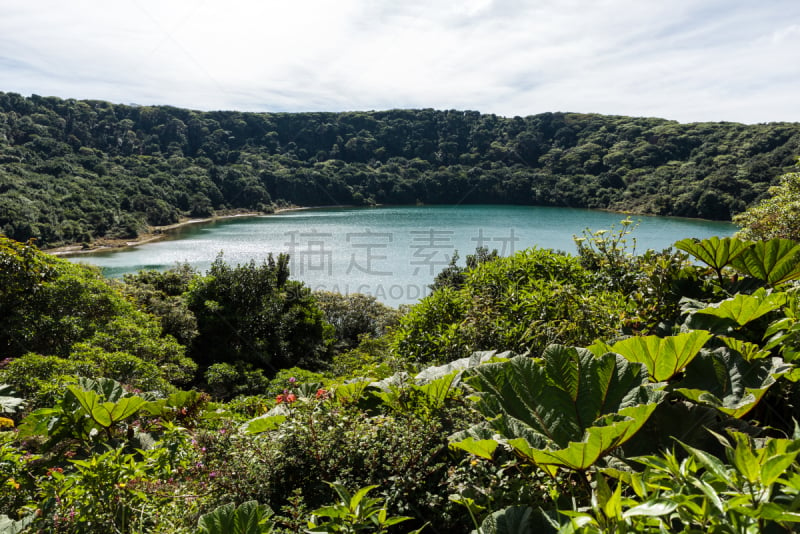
(73, 171)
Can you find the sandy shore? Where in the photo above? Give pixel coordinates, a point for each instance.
(154, 233)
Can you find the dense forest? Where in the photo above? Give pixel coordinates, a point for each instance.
(75, 171)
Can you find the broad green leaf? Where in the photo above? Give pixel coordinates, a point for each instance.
(511, 520)
(664, 357)
(110, 390)
(11, 526)
(715, 252)
(352, 392)
(484, 448)
(775, 467)
(567, 410)
(596, 442)
(744, 459)
(467, 502)
(437, 390)
(724, 380)
(749, 351)
(38, 422)
(358, 496)
(775, 261)
(106, 414)
(174, 402)
(609, 502)
(264, 423)
(473, 360)
(762, 465)
(91, 403)
(711, 494)
(745, 308)
(654, 508)
(123, 408)
(632, 479)
(249, 518)
(775, 512)
(562, 396)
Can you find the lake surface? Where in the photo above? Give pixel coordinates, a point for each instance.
(390, 252)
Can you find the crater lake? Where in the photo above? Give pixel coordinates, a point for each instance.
(392, 252)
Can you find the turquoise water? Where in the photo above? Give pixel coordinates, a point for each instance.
(390, 252)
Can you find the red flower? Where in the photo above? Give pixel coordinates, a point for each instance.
(279, 399)
(322, 393)
(291, 397)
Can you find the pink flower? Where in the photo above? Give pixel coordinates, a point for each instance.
(291, 397)
(292, 380)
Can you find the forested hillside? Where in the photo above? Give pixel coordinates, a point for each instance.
(73, 171)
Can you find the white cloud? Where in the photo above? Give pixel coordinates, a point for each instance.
(686, 59)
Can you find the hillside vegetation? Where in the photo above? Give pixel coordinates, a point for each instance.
(75, 171)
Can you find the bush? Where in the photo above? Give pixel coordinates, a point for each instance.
(404, 454)
(225, 380)
(254, 313)
(354, 316)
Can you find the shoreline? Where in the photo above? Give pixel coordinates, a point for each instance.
(156, 233)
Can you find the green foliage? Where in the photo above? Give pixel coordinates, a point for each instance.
(429, 331)
(96, 405)
(777, 215)
(302, 382)
(247, 518)
(776, 261)
(254, 313)
(454, 276)
(42, 379)
(726, 381)
(783, 334)
(741, 309)
(226, 380)
(117, 491)
(512, 520)
(58, 309)
(520, 303)
(567, 411)
(372, 357)
(715, 252)
(755, 492)
(355, 316)
(653, 283)
(663, 357)
(161, 294)
(312, 438)
(353, 513)
(773, 262)
(106, 414)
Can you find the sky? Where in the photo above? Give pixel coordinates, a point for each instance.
(685, 60)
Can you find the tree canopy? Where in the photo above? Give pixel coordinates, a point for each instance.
(74, 171)
(775, 216)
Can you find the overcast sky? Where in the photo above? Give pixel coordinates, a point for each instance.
(688, 60)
